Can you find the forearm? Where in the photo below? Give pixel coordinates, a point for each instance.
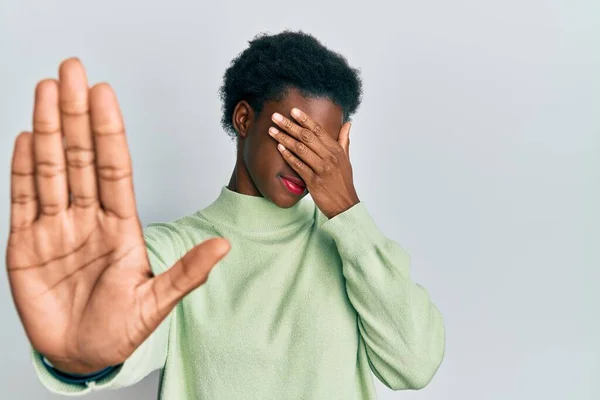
(402, 329)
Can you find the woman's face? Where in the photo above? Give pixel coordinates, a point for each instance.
(261, 169)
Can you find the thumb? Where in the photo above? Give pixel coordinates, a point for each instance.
(344, 137)
(187, 274)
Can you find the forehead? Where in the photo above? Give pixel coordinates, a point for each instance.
(322, 110)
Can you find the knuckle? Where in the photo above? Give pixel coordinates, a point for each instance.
(48, 169)
(337, 150)
(111, 173)
(307, 136)
(22, 199)
(44, 126)
(74, 107)
(108, 129)
(318, 131)
(78, 157)
(175, 283)
(22, 173)
(326, 168)
(50, 208)
(333, 159)
(317, 180)
(84, 201)
(301, 148)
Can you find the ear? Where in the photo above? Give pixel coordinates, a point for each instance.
(242, 118)
(344, 138)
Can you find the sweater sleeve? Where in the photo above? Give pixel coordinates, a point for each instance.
(402, 329)
(151, 354)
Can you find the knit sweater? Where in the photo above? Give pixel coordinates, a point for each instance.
(302, 307)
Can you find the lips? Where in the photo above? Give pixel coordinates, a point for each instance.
(294, 185)
(292, 179)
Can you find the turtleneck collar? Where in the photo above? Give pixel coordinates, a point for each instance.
(255, 213)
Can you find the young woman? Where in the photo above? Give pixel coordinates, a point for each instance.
(307, 296)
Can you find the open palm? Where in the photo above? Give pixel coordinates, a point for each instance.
(76, 257)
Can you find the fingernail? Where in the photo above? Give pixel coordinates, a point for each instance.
(280, 147)
(278, 117)
(273, 131)
(296, 112)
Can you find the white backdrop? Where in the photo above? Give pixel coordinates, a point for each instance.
(476, 147)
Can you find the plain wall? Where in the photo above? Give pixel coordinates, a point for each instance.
(476, 148)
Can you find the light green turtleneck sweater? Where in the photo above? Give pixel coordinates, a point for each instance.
(302, 307)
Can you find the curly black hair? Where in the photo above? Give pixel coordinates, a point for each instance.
(272, 64)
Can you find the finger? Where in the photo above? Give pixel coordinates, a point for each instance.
(23, 194)
(184, 276)
(344, 137)
(113, 162)
(299, 148)
(79, 142)
(307, 136)
(305, 172)
(50, 173)
(307, 122)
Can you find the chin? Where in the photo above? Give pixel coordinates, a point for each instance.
(285, 199)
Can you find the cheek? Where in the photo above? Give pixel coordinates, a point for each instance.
(261, 153)
(334, 131)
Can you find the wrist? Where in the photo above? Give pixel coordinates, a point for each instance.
(77, 374)
(345, 207)
(71, 367)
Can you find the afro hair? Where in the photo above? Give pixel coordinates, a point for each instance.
(272, 64)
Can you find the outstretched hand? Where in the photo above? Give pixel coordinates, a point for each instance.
(77, 262)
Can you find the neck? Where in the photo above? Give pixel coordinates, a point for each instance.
(240, 181)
